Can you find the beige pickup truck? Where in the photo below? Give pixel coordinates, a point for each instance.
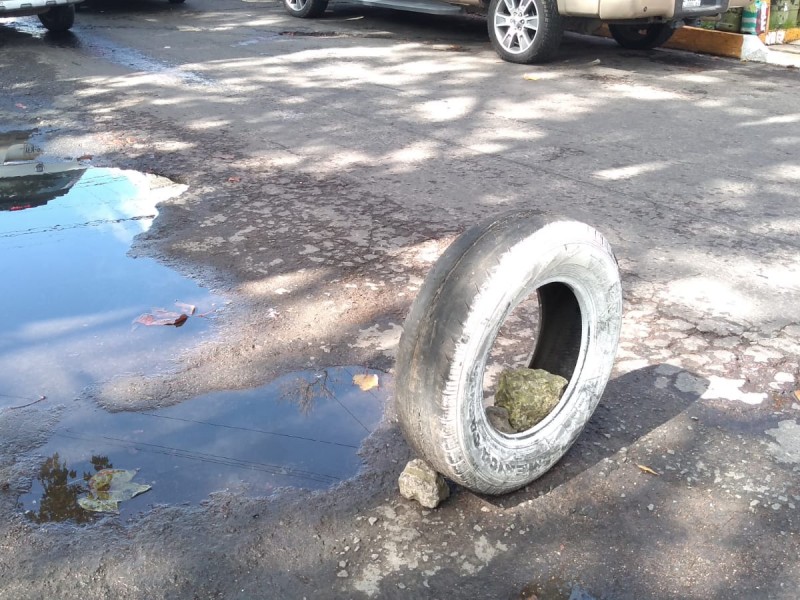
(530, 31)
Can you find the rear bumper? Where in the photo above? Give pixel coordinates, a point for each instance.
(659, 10)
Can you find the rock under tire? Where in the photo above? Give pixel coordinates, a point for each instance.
(454, 320)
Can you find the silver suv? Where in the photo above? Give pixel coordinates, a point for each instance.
(529, 31)
(55, 15)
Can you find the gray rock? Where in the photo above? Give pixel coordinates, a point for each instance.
(528, 395)
(498, 418)
(420, 482)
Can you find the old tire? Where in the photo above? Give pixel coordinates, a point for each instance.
(59, 18)
(305, 9)
(641, 37)
(454, 320)
(525, 31)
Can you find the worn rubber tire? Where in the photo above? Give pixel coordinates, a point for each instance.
(454, 320)
(546, 40)
(305, 9)
(59, 18)
(637, 37)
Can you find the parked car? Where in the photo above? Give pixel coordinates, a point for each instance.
(55, 15)
(530, 31)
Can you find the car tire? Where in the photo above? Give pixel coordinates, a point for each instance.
(177, 1)
(525, 31)
(641, 37)
(305, 9)
(59, 18)
(454, 320)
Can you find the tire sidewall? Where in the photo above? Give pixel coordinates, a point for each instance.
(463, 445)
(311, 9)
(59, 18)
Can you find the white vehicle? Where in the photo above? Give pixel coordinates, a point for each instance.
(530, 31)
(55, 15)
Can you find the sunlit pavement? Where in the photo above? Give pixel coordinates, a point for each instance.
(327, 165)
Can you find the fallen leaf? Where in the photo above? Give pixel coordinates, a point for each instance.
(159, 316)
(530, 77)
(109, 487)
(234, 179)
(186, 308)
(797, 395)
(647, 469)
(85, 157)
(365, 381)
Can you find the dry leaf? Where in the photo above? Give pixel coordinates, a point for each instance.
(365, 381)
(530, 77)
(647, 469)
(159, 316)
(109, 487)
(234, 179)
(797, 395)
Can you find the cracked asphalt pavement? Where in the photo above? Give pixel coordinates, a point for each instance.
(328, 163)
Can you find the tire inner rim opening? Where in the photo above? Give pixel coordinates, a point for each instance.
(558, 344)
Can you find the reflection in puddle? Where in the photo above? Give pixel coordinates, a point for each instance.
(61, 487)
(71, 291)
(301, 430)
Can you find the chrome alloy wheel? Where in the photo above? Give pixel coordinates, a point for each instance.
(296, 5)
(516, 23)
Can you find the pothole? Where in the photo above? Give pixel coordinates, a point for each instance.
(302, 430)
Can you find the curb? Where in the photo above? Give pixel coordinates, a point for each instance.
(731, 45)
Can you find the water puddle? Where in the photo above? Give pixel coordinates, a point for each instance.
(302, 430)
(77, 310)
(71, 292)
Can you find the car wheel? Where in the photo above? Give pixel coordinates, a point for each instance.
(641, 37)
(58, 18)
(454, 321)
(305, 9)
(525, 31)
(177, 1)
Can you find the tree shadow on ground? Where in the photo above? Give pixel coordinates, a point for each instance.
(633, 405)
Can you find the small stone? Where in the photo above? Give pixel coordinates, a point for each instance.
(650, 507)
(402, 586)
(372, 520)
(528, 395)
(342, 574)
(342, 564)
(420, 482)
